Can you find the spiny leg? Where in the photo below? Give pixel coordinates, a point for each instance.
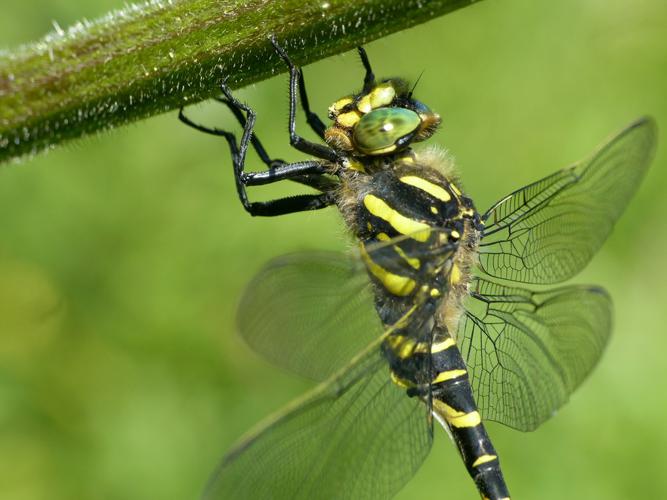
(254, 140)
(202, 128)
(311, 117)
(309, 169)
(284, 171)
(298, 142)
(313, 120)
(316, 180)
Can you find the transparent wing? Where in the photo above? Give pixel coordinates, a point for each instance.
(356, 436)
(546, 232)
(309, 312)
(528, 351)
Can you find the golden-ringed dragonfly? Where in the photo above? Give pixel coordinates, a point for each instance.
(432, 320)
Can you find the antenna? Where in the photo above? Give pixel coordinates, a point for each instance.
(415, 85)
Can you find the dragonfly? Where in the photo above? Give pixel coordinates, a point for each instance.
(440, 316)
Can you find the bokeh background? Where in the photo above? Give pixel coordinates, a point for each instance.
(122, 258)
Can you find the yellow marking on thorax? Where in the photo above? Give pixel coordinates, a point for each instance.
(413, 261)
(455, 275)
(441, 346)
(434, 210)
(455, 234)
(448, 375)
(416, 230)
(355, 165)
(393, 283)
(457, 418)
(407, 159)
(484, 459)
(434, 292)
(454, 188)
(433, 189)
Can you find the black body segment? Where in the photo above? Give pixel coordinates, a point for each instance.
(453, 402)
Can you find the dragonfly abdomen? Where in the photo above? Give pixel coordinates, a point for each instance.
(454, 406)
(420, 280)
(447, 389)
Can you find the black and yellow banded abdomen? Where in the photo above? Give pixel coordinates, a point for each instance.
(452, 401)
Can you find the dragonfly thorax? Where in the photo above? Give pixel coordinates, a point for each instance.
(418, 234)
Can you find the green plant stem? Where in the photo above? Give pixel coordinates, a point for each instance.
(152, 58)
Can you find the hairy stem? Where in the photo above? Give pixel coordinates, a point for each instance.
(151, 58)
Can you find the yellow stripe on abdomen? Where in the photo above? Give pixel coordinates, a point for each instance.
(448, 375)
(441, 346)
(416, 230)
(484, 459)
(456, 418)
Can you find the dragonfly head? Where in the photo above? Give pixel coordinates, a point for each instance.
(382, 121)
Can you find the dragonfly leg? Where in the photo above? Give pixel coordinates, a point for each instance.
(311, 117)
(369, 77)
(277, 171)
(298, 142)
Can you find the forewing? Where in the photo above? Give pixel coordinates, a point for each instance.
(547, 232)
(527, 351)
(309, 312)
(356, 436)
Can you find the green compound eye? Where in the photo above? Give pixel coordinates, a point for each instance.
(377, 132)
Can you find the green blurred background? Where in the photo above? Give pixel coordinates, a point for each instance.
(122, 258)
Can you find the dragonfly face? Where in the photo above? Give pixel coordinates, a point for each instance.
(434, 318)
(381, 120)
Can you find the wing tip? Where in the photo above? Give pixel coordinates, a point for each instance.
(649, 126)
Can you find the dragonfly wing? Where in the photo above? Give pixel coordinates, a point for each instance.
(357, 435)
(528, 351)
(548, 231)
(309, 312)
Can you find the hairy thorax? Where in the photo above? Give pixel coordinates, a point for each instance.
(416, 228)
